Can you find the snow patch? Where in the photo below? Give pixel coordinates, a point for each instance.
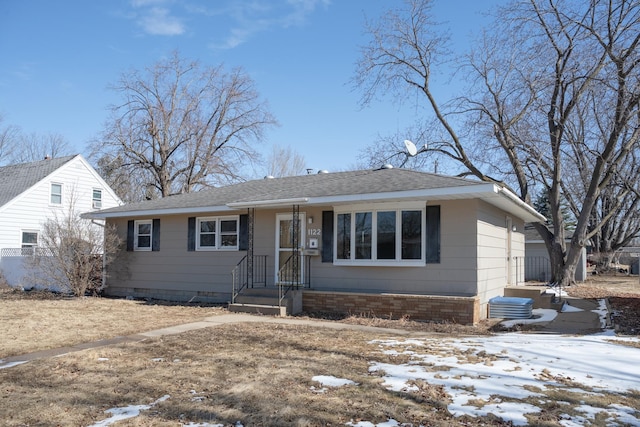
(126, 412)
(5, 365)
(330, 381)
(513, 366)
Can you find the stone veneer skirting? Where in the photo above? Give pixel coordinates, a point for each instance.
(436, 308)
(462, 310)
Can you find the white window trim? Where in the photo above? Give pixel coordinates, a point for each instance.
(51, 193)
(375, 208)
(36, 232)
(218, 246)
(135, 235)
(95, 205)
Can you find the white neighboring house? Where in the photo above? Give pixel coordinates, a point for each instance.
(32, 193)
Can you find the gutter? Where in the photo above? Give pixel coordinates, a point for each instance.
(268, 203)
(518, 201)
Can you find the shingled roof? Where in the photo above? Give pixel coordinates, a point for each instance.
(324, 189)
(16, 179)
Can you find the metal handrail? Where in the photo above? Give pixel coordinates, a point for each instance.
(284, 285)
(235, 278)
(533, 268)
(241, 278)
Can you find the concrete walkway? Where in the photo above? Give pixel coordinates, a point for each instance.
(586, 318)
(570, 322)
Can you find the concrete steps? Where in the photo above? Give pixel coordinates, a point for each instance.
(541, 298)
(265, 301)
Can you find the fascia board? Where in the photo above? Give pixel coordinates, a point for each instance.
(268, 203)
(154, 212)
(463, 192)
(528, 213)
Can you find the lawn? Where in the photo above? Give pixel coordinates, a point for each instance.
(263, 374)
(32, 321)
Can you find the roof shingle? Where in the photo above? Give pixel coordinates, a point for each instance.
(311, 186)
(16, 179)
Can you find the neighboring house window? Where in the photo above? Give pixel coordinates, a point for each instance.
(394, 236)
(29, 241)
(56, 194)
(96, 200)
(216, 233)
(142, 235)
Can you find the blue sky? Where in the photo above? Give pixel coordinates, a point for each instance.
(58, 58)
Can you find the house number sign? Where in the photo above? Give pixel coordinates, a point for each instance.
(313, 232)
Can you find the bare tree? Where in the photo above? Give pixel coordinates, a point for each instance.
(72, 254)
(34, 147)
(8, 139)
(285, 161)
(181, 126)
(533, 79)
(129, 187)
(390, 149)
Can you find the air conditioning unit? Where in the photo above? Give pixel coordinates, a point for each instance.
(97, 204)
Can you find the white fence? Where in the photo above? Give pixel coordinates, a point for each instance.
(18, 271)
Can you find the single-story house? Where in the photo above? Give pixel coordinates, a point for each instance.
(387, 242)
(36, 192)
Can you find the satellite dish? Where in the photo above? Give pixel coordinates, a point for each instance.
(411, 147)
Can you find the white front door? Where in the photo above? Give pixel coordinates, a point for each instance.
(285, 248)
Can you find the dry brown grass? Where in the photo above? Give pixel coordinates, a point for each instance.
(609, 285)
(32, 321)
(258, 373)
(623, 295)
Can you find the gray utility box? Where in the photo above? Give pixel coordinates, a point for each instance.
(510, 308)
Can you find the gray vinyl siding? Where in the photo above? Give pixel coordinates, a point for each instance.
(173, 271)
(472, 260)
(454, 275)
(492, 250)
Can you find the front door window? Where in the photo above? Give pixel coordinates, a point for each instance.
(285, 248)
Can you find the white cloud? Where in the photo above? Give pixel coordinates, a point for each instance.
(301, 9)
(156, 18)
(251, 18)
(159, 21)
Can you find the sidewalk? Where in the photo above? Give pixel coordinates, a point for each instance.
(579, 317)
(572, 322)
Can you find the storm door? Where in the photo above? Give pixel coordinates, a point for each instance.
(289, 236)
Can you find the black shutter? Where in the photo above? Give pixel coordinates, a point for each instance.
(327, 236)
(130, 234)
(243, 235)
(191, 233)
(433, 235)
(155, 239)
